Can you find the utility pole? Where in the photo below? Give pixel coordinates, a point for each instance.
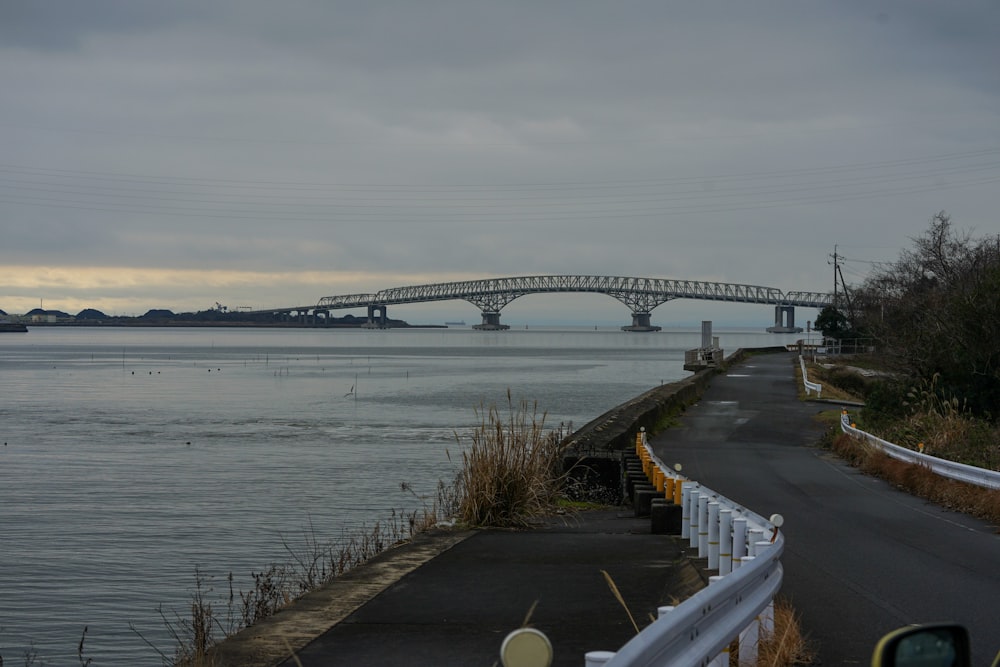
(836, 265)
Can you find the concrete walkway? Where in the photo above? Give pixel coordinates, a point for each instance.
(456, 607)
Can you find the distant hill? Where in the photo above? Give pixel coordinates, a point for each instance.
(91, 314)
(40, 311)
(213, 317)
(155, 314)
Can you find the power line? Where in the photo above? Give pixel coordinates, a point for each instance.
(409, 187)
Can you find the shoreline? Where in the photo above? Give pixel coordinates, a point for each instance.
(272, 640)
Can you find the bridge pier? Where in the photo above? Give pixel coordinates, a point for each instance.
(491, 322)
(641, 322)
(377, 318)
(784, 320)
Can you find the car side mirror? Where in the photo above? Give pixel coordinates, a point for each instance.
(937, 645)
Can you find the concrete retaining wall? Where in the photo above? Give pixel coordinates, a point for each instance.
(616, 429)
(594, 453)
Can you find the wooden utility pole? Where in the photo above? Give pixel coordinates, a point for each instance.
(836, 264)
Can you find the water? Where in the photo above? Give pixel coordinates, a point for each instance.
(131, 457)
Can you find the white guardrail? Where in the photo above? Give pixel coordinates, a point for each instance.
(810, 386)
(958, 471)
(738, 604)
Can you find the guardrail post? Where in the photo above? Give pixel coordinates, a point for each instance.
(713, 535)
(725, 541)
(702, 525)
(750, 637)
(721, 660)
(597, 658)
(766, 616)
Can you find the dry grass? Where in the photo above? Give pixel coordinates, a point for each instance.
(919, 480)
(312, 564)
(512, 471)
(834, 382)
(946, 431)
(786, 646)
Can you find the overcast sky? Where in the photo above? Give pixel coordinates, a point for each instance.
(263, 154)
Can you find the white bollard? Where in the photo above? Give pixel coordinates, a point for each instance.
(597, 658)
(755, 535)
(713, 536)
(686, 488)
(725, 541)
(693, 513)
(702, 525)
(739, 540)
(767, 615)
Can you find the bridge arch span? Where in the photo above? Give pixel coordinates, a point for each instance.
(640, 295)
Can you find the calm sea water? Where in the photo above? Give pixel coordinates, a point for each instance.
(131, 457)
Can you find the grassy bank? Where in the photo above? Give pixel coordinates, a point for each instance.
(916, 415)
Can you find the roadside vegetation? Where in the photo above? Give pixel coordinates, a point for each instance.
(931, 378)
(787, 645)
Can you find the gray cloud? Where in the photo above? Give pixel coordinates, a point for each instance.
(722, 141)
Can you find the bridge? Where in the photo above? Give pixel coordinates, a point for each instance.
(640, 295)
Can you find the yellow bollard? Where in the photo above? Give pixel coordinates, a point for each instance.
(668, 488)
(658, 480)
(678, 492)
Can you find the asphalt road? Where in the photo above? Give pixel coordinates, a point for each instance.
(861, 558)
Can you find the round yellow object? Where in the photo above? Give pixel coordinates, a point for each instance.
(526, 647)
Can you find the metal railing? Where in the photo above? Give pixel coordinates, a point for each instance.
(961, 472)
(744, 547)
(809, 386)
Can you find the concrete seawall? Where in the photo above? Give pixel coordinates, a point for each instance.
(616, 429)
(594, 453)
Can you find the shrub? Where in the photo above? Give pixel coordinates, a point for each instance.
(847, 380)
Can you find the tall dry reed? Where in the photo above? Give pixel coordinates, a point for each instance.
(512, 471)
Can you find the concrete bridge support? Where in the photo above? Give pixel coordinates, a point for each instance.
(491, 322)
(641, 322)
(784, 320)
(377, 318)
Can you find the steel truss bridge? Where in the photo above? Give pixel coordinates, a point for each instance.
(640, 295)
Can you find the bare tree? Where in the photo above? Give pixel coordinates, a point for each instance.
(936, 311)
